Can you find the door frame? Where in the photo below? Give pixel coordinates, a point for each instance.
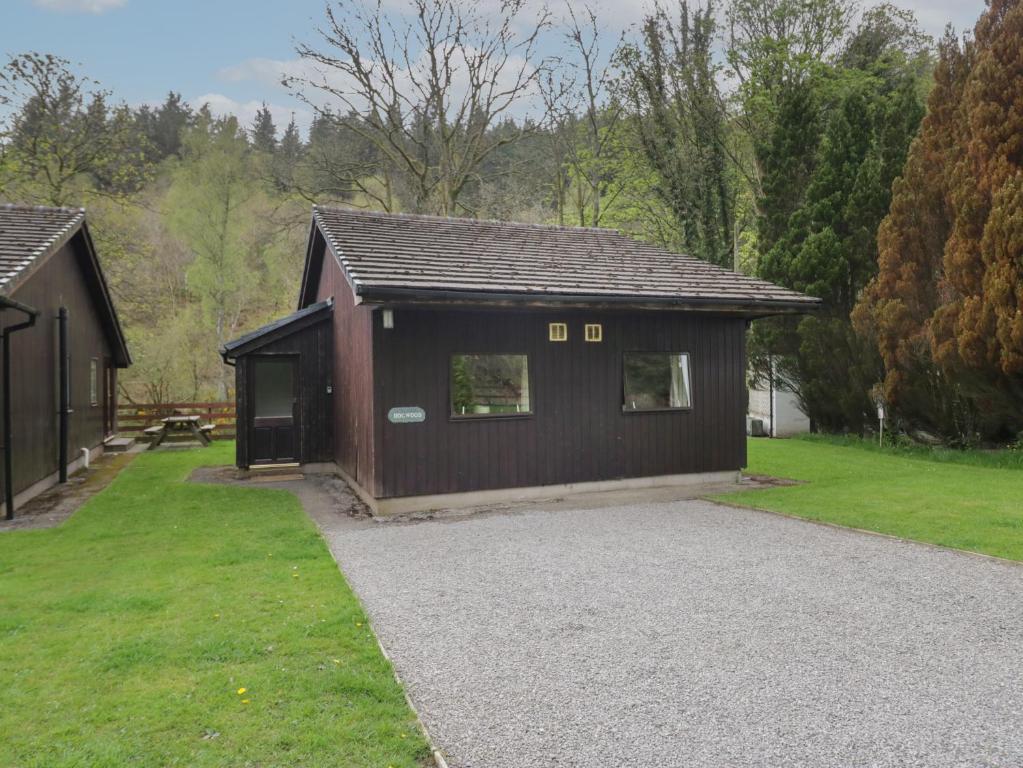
(296, 405)
(109, 397)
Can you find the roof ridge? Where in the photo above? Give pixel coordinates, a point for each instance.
(463, 220)
(40, 208)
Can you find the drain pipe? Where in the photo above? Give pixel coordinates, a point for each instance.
(65, 395)
(31, 314)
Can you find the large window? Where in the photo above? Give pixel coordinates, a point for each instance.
(657, 381)
(489, 385)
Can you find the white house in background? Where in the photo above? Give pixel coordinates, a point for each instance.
(777, 410)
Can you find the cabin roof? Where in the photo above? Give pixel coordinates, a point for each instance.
(296, 321)
(31, 234)
(401, 257)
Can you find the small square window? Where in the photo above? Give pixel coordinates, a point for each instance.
(557, 331)
(594, 332)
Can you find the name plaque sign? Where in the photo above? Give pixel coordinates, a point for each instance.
(406, 414)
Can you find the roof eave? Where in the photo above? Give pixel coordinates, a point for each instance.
(276, 330)
(368, 294)
(123, 360)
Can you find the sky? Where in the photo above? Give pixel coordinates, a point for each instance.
(231, 53)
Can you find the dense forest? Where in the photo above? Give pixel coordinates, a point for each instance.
(830, 147)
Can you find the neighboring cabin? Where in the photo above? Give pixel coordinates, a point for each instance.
(441, 362)
(49, 271)
(774, 411)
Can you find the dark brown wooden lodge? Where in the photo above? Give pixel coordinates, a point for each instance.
(435, 356)
(62, 346)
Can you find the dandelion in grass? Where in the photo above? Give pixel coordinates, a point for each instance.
(242, 690)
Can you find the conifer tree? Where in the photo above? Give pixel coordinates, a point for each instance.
(945, 308)
(263, 132)
(820, 215)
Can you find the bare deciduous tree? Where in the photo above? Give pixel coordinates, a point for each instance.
(424, 89)
(584, 117)
(680, 117)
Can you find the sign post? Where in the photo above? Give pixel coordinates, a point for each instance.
(880, 419)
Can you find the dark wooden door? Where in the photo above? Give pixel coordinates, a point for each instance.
(273, 433)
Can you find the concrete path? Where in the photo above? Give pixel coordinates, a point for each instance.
(691, 634)
(55, 505)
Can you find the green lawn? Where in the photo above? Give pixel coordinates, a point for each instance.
(173, 624)
(965, 500)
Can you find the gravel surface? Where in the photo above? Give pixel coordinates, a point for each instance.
(690, 634)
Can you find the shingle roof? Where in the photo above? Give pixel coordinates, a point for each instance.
(30, 232)
(272, 331)
(397, 254)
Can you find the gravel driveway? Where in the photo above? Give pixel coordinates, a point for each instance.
(689, 634)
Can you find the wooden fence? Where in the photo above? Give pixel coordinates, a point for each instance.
(132, 418)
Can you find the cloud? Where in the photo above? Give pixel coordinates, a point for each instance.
(80, 6)
(266, 72)
(933, 15)
(221, 106)
(269, 72)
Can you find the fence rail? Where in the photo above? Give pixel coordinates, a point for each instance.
(133, 418)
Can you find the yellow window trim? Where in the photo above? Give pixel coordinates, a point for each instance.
(557, 331)
(594, 332)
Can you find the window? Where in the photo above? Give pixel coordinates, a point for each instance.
(594, 332)
(657, 381)
(274, 387)
(94, 381)
(557, 332)
(489, 385)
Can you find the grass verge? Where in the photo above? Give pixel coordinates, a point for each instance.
(964, 502)
(174, 624)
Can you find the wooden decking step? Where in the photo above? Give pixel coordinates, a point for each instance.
(265, 477)
(119, 444)
(268, 473)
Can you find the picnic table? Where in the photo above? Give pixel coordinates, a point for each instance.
(192, 423)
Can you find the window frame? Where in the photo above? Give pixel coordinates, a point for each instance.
(658, 409)
(561, 328)
(471, 417)
(289, 358)
(598, 333)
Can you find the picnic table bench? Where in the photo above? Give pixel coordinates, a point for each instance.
(192, 423)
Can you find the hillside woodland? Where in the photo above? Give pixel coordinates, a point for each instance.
(827, 146)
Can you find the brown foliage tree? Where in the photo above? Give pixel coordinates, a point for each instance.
(946, 308)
